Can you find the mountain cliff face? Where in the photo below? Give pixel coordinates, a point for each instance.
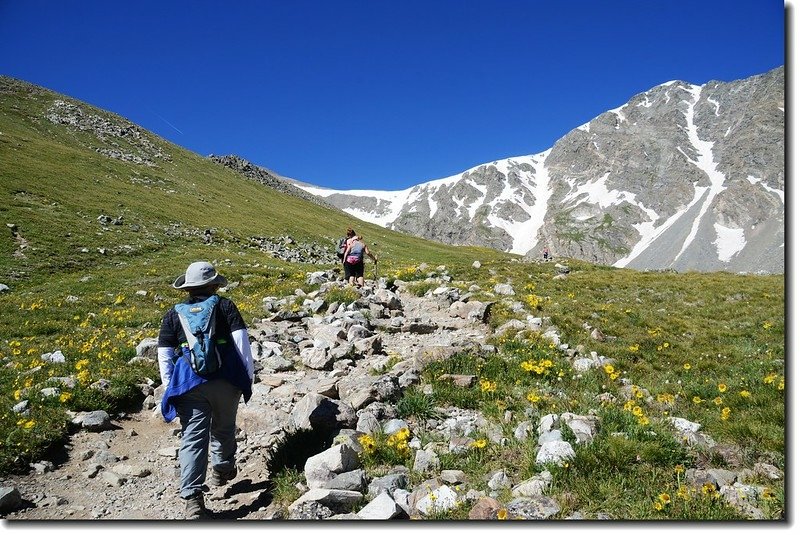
(680, 177)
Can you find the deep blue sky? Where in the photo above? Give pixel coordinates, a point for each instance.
(378, 94)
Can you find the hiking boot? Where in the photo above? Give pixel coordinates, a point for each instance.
(194, 507)
(218, 479)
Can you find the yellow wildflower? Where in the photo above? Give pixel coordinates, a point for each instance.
(664, 498)
(744, 394)
(722, 387)
(488, 386)
(726, 413)
(717, 400)
(687, 366)
(502, 514)
(367, 442)
(697, 400)
(480, 443)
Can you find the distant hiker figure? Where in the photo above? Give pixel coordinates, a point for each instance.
(546, 253)
(341, 245)
(354, 261)
(205, 362)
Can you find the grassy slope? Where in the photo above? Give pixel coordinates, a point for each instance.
(54, 189)
(729, 329)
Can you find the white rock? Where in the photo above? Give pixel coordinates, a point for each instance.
(382, 507)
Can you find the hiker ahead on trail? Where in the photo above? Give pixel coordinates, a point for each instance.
(342, 244)
(354, 260)
(205, 362)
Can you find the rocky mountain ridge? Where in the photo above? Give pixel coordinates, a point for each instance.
(681, 177)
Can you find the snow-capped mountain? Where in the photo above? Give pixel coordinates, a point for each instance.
(680, 177)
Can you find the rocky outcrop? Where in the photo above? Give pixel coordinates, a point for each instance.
(266, 177)
(119, 139)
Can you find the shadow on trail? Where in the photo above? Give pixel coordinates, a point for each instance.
(290, 453)
(246, 486)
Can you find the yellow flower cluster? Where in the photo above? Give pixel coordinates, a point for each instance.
(84, 377)
(405, 273)
(662, 346)
(771, 378)
(611, 372)
(487, 385)
(399, 441)
(533, 301)
(666, 399)
(534, 397)
(25, 423)
(636, 410)
(540, 367)
(662, 502)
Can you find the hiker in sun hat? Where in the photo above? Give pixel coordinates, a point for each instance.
(205, 402)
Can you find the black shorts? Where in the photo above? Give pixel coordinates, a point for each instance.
(354, 270)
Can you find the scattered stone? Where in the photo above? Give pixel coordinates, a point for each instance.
(94, 421)
(533, 508)
(485, 508)
(337, 501)
(440, 500)
(10, 500)
(323, 467)
(768, 471)
(382, 507)
(113, 479)
(148, 348)
(555, 452)
(463, 381)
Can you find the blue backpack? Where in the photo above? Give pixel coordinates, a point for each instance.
(200, 349)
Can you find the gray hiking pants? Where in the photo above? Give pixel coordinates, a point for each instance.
(208, 417)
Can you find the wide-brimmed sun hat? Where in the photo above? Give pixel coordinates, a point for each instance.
(197, 275)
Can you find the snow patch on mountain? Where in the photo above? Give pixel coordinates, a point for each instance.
(705, 162)
(395, 199)
(754, 180)
(729, 241)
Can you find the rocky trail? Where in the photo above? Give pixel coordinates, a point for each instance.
(130, 470)
(325, 370)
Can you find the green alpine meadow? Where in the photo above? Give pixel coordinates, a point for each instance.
(99, 216)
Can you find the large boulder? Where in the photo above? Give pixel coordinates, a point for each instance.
(320, 469)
